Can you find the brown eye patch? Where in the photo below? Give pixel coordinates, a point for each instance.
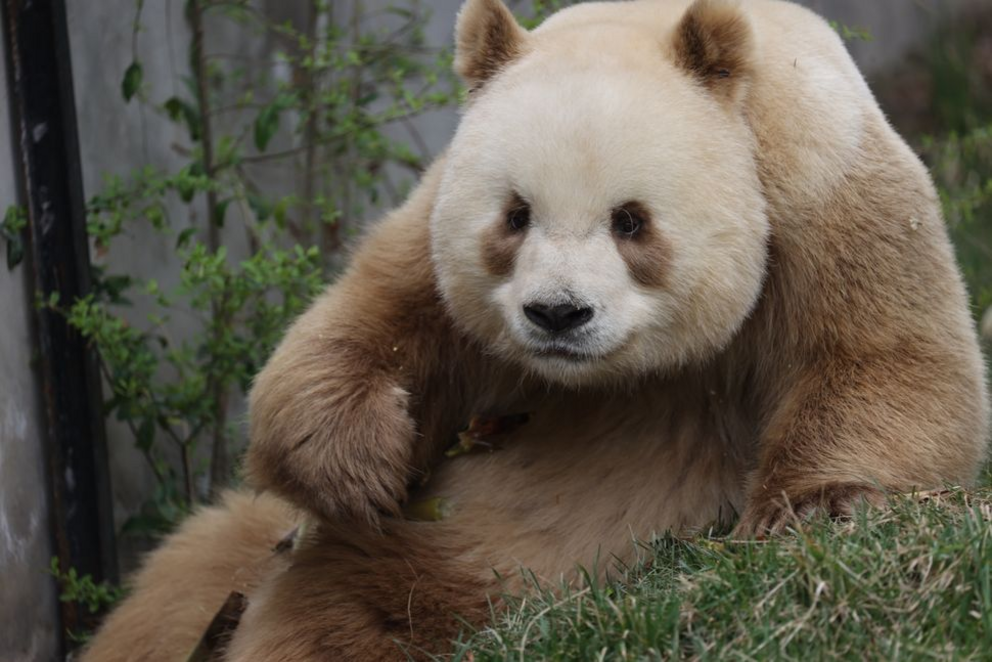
(502, 240)
(640, 243)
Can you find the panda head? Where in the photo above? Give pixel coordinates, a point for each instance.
(600, 213)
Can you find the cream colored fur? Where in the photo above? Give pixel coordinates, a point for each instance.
(182, 585)
(803, 344)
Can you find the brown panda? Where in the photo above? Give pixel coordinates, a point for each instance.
(682, 238)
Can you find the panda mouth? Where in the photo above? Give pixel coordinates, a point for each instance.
(564, 352)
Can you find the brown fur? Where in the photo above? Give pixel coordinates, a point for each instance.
(499, 250)
(348, 596)
(858, 373)
(875, 378)
(648, 253)
(833, 499)
(225, 548)
(714, 43)
(338, 410)
(488, 38)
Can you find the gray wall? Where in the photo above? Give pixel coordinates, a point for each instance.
(28, 610)
(114, 140)
(895, 26)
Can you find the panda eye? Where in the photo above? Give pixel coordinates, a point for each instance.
(518, 215)
(629, 219)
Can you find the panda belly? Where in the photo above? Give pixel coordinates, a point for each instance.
(585, 478)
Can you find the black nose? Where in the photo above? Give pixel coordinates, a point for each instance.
(562, 317)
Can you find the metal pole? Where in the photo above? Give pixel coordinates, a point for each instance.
(41, 93)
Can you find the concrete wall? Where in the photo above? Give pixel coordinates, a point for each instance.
(114, 140)
(28, 608)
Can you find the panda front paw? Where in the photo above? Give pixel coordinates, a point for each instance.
(769, 513)
(346, 458)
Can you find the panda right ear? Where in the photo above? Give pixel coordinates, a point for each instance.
(714, 43)
(487, 38)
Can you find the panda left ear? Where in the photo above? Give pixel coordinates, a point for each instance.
(714, 43)
(487, 39)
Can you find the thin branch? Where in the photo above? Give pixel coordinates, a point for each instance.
(310, 130)
(414, 133)
(328, 138)
(105, 371)
(219, 460)
(187, 460)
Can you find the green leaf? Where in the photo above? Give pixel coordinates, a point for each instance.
(184, 237)
(173, 107)
(220, 211)
(146, 435)
(15, 219)
(266, 125)
(12, 230)
(180, 110)
(113, 288)
(150, 525)
(15, 251)
(279, 212)
(132, 80)
(186, 189)
(259, 205)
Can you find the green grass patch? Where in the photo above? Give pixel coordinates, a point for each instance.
(909, 582)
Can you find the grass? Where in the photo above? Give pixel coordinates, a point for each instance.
(912, 581)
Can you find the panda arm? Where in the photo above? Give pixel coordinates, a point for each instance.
(871, 377)
(854, 428)
(340, 419)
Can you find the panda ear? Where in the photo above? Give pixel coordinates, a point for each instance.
(487, 38)
(714, 43)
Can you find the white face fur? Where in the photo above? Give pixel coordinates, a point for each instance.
(599, 217)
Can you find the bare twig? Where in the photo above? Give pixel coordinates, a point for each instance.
(310, 131)
(219, 459)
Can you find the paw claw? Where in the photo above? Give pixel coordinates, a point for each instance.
(771, 516)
